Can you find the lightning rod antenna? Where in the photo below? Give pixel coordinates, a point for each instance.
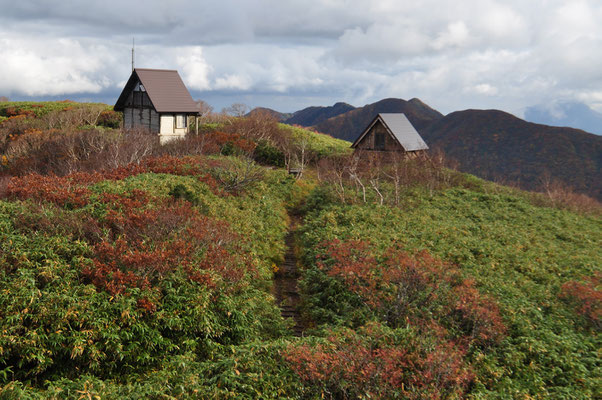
(133, 43)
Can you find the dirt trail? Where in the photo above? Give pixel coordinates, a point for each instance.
(286, 290)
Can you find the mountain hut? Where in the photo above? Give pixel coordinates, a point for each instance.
(390, 132)
(157, 100)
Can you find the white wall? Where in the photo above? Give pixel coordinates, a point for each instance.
(167, 125)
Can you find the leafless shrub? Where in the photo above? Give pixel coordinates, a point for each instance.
(131, 147)
(73, 118)
(558, 195)
(3, 185)
(236, 110)
(238, 175)
(189, 145)
(64, 153)
(385, 174)
(334, 171)
(259, 126)
(298, 153)
(204, 108)
(15, 127)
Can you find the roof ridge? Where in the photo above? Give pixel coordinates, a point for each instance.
(154, 69)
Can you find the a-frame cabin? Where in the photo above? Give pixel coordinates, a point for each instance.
(390, 132)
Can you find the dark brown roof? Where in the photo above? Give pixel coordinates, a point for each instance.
(165, 89)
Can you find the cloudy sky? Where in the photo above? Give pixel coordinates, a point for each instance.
(289, 54)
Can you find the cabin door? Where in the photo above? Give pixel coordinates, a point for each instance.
(166, 125)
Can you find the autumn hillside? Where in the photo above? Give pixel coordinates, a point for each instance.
(130, 270)
(491, 144)
(498, 146)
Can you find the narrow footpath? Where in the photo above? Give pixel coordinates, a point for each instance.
(286, 290)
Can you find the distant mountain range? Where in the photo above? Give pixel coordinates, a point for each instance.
(314, 115)
(488, 143)
(499, 146)
(573, 114)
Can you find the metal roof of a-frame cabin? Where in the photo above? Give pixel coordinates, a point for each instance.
(400, 128)
(165, 89)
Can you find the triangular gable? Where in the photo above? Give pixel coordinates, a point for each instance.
(127, 89)
(399, 128)
(367, 130)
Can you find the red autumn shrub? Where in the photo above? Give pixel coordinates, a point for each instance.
(479, 314)
(139, 240)
(71, 190)
(402, 288)
(53, 189)
(145, 244)
(369, 364)
(586, 296)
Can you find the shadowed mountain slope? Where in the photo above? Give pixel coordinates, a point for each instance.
(499, 146)
(314, 115)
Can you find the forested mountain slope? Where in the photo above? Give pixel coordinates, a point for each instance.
(498, 146)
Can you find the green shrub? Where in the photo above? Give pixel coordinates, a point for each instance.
(108, 278)
(524, 257)
(267, 154)
(110, 119)
(180, 191)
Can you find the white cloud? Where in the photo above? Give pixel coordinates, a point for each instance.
(232, 81)
(500, 22)
(486, 89)
(456, 35)
(195, 70)
(467, 53)
(38, 67)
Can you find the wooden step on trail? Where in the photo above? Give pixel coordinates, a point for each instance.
(286, 291)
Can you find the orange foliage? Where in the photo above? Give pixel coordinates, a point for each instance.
(401, 286)
(138, 242)
(365, 363)
(70, 190)
(587, 298)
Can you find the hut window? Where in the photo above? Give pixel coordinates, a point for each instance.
(379, 140)
(137, 98)
(180, 121)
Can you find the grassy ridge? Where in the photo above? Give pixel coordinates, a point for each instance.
(320, 144)
(41, 108)
(519, 254)
(152, 280)
(68, 328)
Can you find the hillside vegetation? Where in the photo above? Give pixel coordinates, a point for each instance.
(498, 146)
(147, 274)
(491, 144)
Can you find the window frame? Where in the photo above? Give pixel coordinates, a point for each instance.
(180, 118)
(379, 140)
